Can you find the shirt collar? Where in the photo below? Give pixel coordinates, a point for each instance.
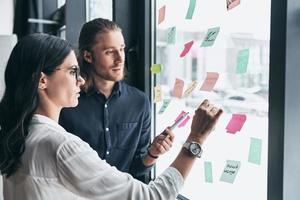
(41, 119)
(117, 89)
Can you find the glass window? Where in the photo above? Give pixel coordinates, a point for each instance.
(235, 55)
(99, 8)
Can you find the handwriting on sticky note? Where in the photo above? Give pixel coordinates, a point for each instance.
(236, 123)
(178, 88)
(191, 9)
(156, 68)
(157, 94)
(190, 88)
(210, 37)
(161, 14)
(171, 35)
(164, 106)
(208, 172)
(232, 3)
(242, 61)
(187, 47)
(210, 81)
(255, 151)
(230, 171)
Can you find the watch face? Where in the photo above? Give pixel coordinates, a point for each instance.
(195, 148)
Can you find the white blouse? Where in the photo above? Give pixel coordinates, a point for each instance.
(59, 165)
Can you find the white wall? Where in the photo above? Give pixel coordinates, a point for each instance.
(7, 16)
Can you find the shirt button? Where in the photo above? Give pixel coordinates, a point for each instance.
(107, 152)
(107, 129)
(105, 105)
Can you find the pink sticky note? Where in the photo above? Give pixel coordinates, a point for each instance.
(187, 48)
(178, 88)
(236, 123)
(210, 81)
(232, 3)
(181, 114)
(183, 123)
(161, 14)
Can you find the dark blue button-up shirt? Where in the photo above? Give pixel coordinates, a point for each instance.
(118, 127)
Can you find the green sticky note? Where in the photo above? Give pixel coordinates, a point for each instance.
(230, 171)
(210, 37)
(242, 61)
(190, 12)
(255, 151)
(165, 104)
(171, 35)
(156, 68)
(208, 172)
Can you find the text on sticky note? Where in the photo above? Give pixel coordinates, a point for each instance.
(230, 171)
(210, 37)
(157, 94)
(164, 106)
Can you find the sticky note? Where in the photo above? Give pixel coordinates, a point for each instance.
(164, 106)
(190, 88)
(171, 35)
(179, 116)
(236, 123)
(210, 81)
(242, 61)
(208, 172)
(187, 47)
(178, 88)
(183, 123)
(161, 14)
(232, 3)
(157, 94)
(255, 151)
(156, 68)
(210, 37)
(190, 12)
(230, 171)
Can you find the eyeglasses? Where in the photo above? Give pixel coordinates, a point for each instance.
(75, 69)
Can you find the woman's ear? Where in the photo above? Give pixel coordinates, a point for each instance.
(43, 81)
(87, 56)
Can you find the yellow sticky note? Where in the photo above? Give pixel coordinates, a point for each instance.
(157, 94)
(156, 68)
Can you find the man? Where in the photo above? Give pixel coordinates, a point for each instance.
(113, 117)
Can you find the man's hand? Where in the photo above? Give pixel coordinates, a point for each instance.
(161, 143)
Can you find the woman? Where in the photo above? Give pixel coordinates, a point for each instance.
(40, 160)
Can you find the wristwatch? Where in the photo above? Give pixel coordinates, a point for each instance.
(194, 148)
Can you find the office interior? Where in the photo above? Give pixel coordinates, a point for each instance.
(271, 82)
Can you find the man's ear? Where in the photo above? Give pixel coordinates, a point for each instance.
(43, 81)
(87, 56)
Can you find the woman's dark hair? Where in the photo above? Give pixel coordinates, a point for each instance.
(87, 39)
(32, 55)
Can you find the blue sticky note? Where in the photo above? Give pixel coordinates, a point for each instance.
(230, 171)
(242, 61)
(208, 172)
(191, 9)
(210, 37)
(171, 35)
(255, 151)
(164, 106)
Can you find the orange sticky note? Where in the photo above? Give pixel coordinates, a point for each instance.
(236, 123)
(187, 48)
(210, 81)
(161, 14)
(157, 94)
(178, 88)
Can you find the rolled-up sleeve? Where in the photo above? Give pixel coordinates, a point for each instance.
(81, 171)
